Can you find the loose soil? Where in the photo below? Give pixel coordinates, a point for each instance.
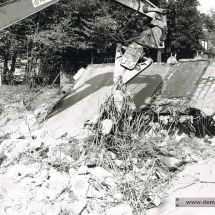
(16, 101)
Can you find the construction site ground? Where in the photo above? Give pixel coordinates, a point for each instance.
(17, 102)
(43, 173)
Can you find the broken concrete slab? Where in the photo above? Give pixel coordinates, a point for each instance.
(181, 84)
(149, 82)
(196, 180)
(183, 79)
(90, 90)
(204, 96)
(83, 101)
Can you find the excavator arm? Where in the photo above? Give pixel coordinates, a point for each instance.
(126, 64)
(158, 23)
(16, 10)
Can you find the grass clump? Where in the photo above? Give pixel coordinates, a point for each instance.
(136, 165)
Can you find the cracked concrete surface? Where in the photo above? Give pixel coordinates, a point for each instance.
(196, 180)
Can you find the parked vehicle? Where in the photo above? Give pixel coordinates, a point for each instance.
(19, 74)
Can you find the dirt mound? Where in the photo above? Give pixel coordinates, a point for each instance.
(17, 102)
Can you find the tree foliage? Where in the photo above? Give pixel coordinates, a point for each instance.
(209, 30)
(67, 33)
(185, 27)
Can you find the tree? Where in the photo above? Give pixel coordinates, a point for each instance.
(209, 30)
(185, 27)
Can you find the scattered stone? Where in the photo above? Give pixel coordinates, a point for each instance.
(180, 137)
(67, 88)
(212, 140)
(149, 163)
(119, 163)
(164, 119)
(75, 152)
(41, 111)
(194, 157)
(36, 143)
(118, 196)
(111, 155)
(22, 170)
(37, 133)
(80, 185)
(100, 174)
(83, 170)
(134, 160)
(91, 161)
(106, 126)
(73, 208)
(123, 209)
(54, 153)
(155, 199)
(171, 162)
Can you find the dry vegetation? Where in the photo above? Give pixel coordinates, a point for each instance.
(140, 155)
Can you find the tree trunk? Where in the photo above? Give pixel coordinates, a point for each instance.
(92, 57)
(6, 69)
(32, 58)
(13, 63)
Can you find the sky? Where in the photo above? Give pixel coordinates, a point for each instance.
(206, 5)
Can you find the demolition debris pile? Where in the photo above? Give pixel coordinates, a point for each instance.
(124, 166)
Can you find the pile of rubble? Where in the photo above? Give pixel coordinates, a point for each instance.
(63, 176)
(118, 168)
(49, 176)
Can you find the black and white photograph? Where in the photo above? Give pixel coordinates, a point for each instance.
(107, 107)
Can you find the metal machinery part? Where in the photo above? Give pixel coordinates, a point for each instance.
(16, 10)
(126, 65)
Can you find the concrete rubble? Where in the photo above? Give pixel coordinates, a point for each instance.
(43, 175)
(40, 176)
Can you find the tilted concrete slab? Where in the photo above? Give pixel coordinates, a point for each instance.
(204, 96)
(181, 84)
(184, 79)
(82, 102)
(149, 82)
(92, 86)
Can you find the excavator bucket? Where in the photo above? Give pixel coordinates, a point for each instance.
(133, 60)
(126, 65)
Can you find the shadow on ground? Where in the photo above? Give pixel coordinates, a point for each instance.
(76, 95)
